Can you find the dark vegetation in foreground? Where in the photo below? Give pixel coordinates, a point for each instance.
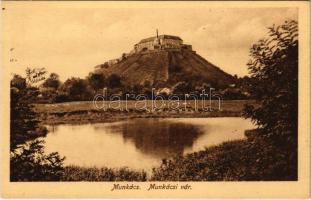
(254, 159)
(268, 153)
(75, 173)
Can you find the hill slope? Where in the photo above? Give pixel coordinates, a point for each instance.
(167, 67)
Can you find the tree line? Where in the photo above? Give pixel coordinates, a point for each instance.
(53, 90)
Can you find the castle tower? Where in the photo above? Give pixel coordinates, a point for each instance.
(157, 40)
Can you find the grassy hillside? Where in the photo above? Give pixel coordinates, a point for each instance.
(169, 67)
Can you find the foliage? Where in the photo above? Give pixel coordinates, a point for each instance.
(245, 160)
(182, 88)
(97, 81)
(18, 82)
(274, 68)
(52, 82)
(27, 160)
(61, 97)
(29, 163)
(76, 89)
(114, 81)
(49, 89)
(74, 173)
(234, 94)
(24, 121)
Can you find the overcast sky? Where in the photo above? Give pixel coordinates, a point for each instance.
(70, 38)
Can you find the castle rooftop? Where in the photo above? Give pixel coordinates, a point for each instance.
(160, 37)
(160, 42)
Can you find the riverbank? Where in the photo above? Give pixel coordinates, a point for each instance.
(86, 112)
(76, 173)
(253, 159)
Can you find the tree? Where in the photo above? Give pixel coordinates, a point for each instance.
(29, 163)
(137, 89)
(182, 88)
(18, 82)
(97, 81)
(49, 88)
(52, 82)
(77, 89)
(27, 159)
(274, 68)
(114, 81)
(24, 121)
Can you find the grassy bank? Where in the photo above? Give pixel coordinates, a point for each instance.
(75, 173)
(252, 159)
(86, 112)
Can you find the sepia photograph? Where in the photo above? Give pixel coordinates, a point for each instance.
(155, 96)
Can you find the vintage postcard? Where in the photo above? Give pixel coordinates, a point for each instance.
(159, 99)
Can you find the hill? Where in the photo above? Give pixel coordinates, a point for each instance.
(166, 68)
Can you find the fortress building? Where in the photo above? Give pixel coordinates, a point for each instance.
(151, 44)
(163, 61)
(159, 42)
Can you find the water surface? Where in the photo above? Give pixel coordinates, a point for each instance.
(140, 143)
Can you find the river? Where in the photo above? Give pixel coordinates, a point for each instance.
(140, 143)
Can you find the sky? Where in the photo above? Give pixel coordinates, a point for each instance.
(70, 38)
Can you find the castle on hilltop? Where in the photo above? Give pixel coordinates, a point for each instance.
(159, 42)
(151, 44)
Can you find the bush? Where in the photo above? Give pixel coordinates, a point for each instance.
(29, 163)
(24, 123)
(27, 159)
(114, 81)
(274, 68)
(76, 89)
(75, 173)
(245, 160)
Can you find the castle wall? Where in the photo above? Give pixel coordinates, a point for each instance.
(170, 42)
(162, 42)
(147, 45)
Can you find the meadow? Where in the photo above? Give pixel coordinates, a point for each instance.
(87, 112)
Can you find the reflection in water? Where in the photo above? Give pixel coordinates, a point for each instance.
(140, 143)
(159, 138)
